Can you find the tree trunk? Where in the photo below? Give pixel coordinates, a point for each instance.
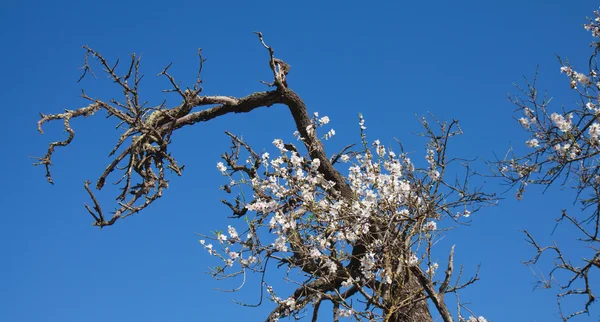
(409, 292)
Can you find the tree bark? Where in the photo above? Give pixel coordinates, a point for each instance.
(416, 312)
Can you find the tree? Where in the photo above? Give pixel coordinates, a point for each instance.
(565, 148)
(361, 241)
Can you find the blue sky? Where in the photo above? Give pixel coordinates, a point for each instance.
(389, 60)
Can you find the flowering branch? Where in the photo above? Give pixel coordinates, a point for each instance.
(564, 147)
(365, 245)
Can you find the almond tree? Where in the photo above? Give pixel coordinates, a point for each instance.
(565, 145)
(362, 241)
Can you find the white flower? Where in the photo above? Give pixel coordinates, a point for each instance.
(566, 70)
(272, 223)
(528, 112)
(561, 122)
(232, 232)
(594, 131)
(310, 129)
(432, 268)
(315, 253)
(429, 157)
(431, 226)
(314, 165)
(331, 266)
(524, 122)
(368, 264)
(533, 143)
(345, 158)
(343, 313)
(347, 282)
(280, 244)
(209, 247)
(279, 144)
(474, 319)
(590, 106)
(413, 260)
(350, 236)
(434, 174)
(290, 302)
(297, 160)
(582, 79)
(329, 134)
(324, 120)
(221, 167)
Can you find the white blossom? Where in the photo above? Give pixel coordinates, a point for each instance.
(345, 313)
(434, 174)
(430, 226)
(232, 232)
(594, 131)
(331, 266)
(563, 124)
(590, 106)
(533, 143)
(432, 268)
(413, 260)
(315, 253)
(290, 302)
(567, 70)
(314, 165)
(582, 79)
(222, 167)
(367, 264)
(348, 282)
(281, 244)
(329, 134)
(310, 129)
(279, 144)
(524, 122)
(478, 319)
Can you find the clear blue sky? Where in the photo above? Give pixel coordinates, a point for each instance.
(388, 60)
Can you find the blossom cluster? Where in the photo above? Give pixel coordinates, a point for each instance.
(476, 319)
(593, 25)
(560, 138)
(309, 225)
